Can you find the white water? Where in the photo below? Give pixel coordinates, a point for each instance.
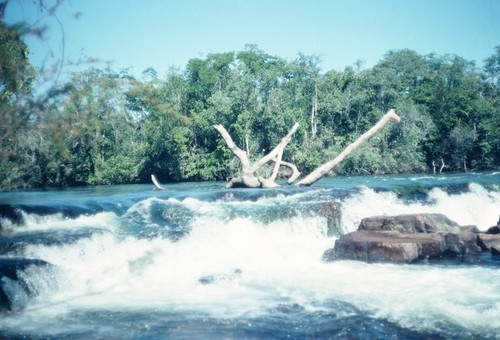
(477, 207)
(280, 263)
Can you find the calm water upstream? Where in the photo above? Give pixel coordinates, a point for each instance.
(202, 261)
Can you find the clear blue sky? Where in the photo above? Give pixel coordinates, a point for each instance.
(165, 33)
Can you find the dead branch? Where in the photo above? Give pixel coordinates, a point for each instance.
(157, 184)
(267, 158)
(247, 177)
(325, 168)
(242, 155)
(442, 166)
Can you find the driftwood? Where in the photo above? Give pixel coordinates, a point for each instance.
(157, 184)
(325, 168)
(247, 176)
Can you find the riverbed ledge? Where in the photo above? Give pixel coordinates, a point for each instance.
(414, 238)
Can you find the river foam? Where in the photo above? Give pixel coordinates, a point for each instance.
(245, 262)
(477, 206)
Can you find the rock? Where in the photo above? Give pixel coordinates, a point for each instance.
(490, 242)
(462, 245)
(14, 294)
(469, 228)
(413, 223)
(9, 215)
(407, 239)
(388, 246)
(14, 244)
(493, 230)
(219, 277)
(332, 212)
(14, 290)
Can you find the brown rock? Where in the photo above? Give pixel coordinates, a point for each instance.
(412, 223)
(332, 212)
(489, 242)
(407, 239)
(461, 245)
(388, 246)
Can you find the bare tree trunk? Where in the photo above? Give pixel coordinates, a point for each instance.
(314, 112)
(247, 176)
(157, 184)
(295, 171)
(442, 166)
(325, 168)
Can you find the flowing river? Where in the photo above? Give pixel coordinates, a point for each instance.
(201, 261)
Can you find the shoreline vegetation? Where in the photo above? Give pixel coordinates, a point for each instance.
(105, 127)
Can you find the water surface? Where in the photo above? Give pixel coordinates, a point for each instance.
(202, 261)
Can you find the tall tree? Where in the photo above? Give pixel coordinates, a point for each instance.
(16, 100)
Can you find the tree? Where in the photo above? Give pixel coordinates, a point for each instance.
(106, 127)
(161, 126)
(492, 68)
(16, 100)
(247, 177)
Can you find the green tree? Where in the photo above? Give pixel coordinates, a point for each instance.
(102, 139)
(16, 100)
(492, 68)
(156, 105)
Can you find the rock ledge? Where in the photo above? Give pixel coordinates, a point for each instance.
(413, 238)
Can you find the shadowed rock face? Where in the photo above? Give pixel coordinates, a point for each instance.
(15, 292)
(490, 242)
(411, 238)
(390, 246)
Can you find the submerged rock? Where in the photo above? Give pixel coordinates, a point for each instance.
(15, 292)
(14, 244)
(9, 215)
(332, 211)
(214, 278)
(412, 238)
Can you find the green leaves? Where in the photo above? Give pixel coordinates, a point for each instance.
(108, 128)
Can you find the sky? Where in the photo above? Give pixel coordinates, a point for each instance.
(137, 34)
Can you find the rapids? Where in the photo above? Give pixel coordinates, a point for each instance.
(202, 261)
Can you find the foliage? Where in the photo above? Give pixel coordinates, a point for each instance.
(108, 127)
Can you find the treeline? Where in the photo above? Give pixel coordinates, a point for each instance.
(108, 127)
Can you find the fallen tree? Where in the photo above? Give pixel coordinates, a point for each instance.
(247, 177)
(325, 168)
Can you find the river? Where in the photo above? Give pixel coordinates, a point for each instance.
(201, 261)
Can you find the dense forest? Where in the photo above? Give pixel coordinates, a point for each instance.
(108, 127)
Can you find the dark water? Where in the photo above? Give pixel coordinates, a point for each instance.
(202, 261)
